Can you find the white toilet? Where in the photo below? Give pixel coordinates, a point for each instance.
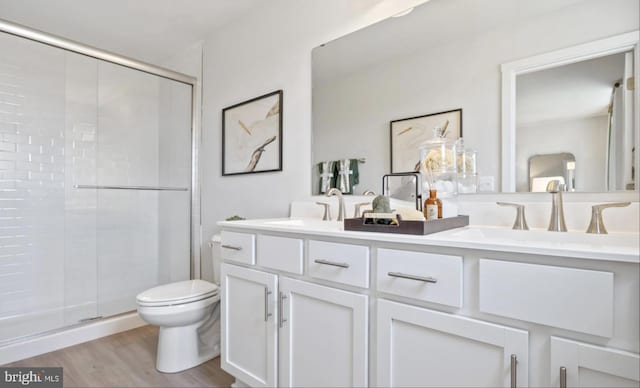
(188, 314)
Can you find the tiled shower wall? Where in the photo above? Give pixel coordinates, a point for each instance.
(32, 203)
(69, 254)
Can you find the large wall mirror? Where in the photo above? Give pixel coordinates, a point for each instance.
(450, 54)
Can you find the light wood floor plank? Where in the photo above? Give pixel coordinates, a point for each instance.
(125, 359)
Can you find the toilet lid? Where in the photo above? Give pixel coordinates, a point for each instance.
(178, 292)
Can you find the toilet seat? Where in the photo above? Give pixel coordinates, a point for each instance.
(177, 293)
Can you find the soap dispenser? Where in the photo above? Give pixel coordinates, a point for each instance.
(432, 206)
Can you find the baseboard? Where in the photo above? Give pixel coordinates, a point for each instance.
(49, 342)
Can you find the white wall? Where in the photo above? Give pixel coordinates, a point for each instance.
(585, 138)
(266, 51)
(459, 73)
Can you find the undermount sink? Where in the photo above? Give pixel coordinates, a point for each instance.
(625, 241)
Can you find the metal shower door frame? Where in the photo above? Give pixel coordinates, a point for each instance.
(79, 48)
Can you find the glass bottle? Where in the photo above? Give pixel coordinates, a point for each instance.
(467, 168)
(432, 206)
(438, 164)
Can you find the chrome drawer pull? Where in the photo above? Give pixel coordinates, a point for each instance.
(514, 366)
(233, 247)
(281, 319)
(267, 314)
(563, 377)
(426, 279)
(333, 263)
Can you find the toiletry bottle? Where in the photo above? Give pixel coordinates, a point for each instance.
(432, 206)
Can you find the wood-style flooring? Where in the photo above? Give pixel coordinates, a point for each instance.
(125, 359)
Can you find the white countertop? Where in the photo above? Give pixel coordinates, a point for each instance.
(621, 247)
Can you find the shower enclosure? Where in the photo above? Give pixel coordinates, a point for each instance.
(96, 176)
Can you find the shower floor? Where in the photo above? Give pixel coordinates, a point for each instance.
(125, 359)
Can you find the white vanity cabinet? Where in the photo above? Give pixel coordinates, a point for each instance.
(285, 332)
(576, 364)
(249, 328)
(323, 336)
(418, 347)
(357, 309)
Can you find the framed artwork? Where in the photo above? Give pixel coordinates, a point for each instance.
(407, 135)
(252, 135)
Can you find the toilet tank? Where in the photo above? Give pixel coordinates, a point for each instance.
(216, 257)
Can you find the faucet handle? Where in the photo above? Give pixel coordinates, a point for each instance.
(357, 213)
(521, 221)
(327, 211)
(596, 225)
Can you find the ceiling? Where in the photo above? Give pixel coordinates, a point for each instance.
(147, 30)
(429, 25)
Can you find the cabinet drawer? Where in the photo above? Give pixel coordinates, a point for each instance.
(240, 247)
(340, 263)
(568, 298)
(281, 253)
(425, 276)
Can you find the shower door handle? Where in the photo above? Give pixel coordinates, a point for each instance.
(150, 188)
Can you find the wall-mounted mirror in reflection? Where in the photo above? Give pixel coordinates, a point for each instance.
(581, 109)
(572, 117)
(446, 55)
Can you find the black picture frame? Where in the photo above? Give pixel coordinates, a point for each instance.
(425, 125)
(250, 129)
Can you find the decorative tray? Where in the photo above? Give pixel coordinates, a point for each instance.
(367, 224)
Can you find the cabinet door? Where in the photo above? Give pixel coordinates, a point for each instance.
(323, 336)
(424, 348)
(592, 366)
(249, 331)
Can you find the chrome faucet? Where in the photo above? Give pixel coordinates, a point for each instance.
(327, 211)
(556, 223)
(357, 212)
(596, 225)
(521, 221)
(341, 210)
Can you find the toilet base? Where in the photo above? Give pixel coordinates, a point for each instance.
(181, 348)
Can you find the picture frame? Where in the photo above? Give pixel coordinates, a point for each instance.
(408, 134)
(252, 135)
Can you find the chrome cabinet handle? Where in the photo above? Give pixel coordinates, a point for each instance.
(267, 314)
(232, 247)
(426, 279)
(514, 365)
(563, 377)
(281, 319)
(333, 263)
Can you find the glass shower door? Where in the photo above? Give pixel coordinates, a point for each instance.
(32, 187)
(95, 186)
(143, 171)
